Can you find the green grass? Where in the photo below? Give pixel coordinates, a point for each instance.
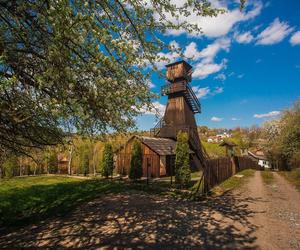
(232, 182)
(213, 149)
(293, 177)
(23, 200)
(267, 177)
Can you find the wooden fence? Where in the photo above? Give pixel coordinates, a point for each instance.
(219, 170)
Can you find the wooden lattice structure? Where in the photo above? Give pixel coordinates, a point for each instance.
(180, 110)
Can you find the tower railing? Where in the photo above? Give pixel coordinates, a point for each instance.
(155, 131)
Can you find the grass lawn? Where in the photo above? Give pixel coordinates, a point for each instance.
(293, 177)
(27, 199)
(233, 182)
(267, 177)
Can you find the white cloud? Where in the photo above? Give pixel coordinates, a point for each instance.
(204, 69)
(246, 37)
(201, 92)
(150, 84)
(274, 33)
(221, 77)
(168, 57)
(235, 119)
(295, 39)
(270, 114)
(158, 109)
(216, 119)
(240, 76)
(220, 25)
(209, 52)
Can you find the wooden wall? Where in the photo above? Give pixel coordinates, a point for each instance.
(123, 158)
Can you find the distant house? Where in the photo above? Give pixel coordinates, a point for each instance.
(62, 163)
(218, 138)
(260, 157)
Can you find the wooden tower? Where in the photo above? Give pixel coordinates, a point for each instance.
(181, 109)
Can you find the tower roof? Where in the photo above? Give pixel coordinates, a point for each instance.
(179, 62)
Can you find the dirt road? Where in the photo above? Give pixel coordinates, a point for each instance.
(257, 216)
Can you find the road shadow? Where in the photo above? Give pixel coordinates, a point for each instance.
(142, 221)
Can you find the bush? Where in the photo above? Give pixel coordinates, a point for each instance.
(108, 161)
(182, 160)
(136, 169)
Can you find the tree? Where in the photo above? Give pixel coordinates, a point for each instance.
(136, 168)
(108, 161)
(52, 162)
(182, 160)
(284, 137)
(79, 66)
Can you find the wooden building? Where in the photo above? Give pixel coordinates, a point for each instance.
(62, 163)
(158, 156)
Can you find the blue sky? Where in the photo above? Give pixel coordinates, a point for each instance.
(246, 66)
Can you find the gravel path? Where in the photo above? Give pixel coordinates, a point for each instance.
(255, 217)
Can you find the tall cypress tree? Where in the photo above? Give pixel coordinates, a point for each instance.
(136, 168)
(182, 160)
(108, 161)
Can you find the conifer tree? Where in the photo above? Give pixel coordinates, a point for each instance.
(182, 160)
(136, 169)
(107, 161)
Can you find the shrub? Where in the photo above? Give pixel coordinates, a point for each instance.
(136, 169)
(107, 162)
(182, 160)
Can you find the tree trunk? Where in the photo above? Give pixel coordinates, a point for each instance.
(94, 163)
(70, 159)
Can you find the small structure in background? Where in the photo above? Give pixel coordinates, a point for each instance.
(229, 147)
(62, 163)
(260, 157)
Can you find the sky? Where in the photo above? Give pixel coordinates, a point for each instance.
(246, 65)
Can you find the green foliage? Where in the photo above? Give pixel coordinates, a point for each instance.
(108, 161)
(84, 160)
(27, 199)
(284, 137)
(10, 166)
(136, 168)
(182, 160)
(293, 176)
(80, 65)
(53, 162)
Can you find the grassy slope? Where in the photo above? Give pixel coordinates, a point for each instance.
(213, 149)
(293, 177)
(25, 199)
(233, 182)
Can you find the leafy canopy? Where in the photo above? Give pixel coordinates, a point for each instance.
(79, 66)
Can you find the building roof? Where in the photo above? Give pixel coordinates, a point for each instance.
(178, 62)
(228, 143)
(257, 155)
(161, 146)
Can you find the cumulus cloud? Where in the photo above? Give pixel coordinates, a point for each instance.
(209, 52)
(216, 119)
(204, 69)
(295, 39)
(246, 37)
(169, 56)
(205, 92)
(158, 109)
(221, 24)
(274, 33)
(201, 92)
(270, 114)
